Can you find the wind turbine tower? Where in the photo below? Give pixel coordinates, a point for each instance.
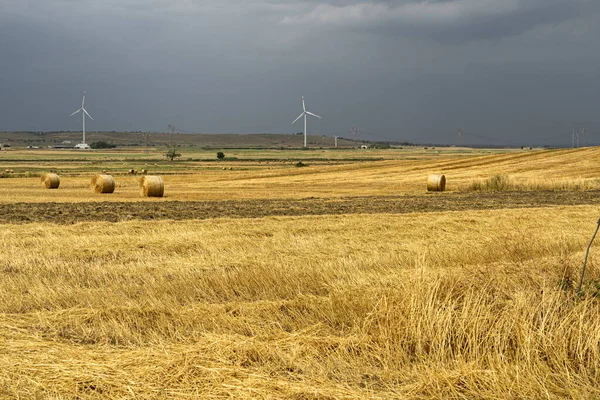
(84, 112)
(335, 138)
(304, 114)
(460, 132)
(575, 139)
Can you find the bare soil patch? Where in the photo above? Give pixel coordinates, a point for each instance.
(69, 213)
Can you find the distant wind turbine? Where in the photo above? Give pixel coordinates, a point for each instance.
(84, 112)
(304, 113)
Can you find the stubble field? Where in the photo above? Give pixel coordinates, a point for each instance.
(340, 280)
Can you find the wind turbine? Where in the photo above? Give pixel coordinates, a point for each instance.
(84, 112)
(336, 138)
(304, 113)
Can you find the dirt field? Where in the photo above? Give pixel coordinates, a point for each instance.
(68, 213)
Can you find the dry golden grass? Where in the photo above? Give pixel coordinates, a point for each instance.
(469, 304)
(560, 169)
(438, 305)
(503, 182)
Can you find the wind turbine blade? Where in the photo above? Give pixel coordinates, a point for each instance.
(83, 100)
(314, 115)
(301, 115)
(75, 112)
(303, 106)
(86, 113)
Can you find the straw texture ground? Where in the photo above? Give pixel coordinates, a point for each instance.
(103, 183)
(573, 169)
(466, 304)
(50, 181)
(337, 307)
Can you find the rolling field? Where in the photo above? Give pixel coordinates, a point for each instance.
(341, 280)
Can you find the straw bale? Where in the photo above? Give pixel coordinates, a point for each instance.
(436, 183)
(50, 181)
(152, 186)
(103, 183)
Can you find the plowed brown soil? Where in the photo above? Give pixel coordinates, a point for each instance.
(68, 213)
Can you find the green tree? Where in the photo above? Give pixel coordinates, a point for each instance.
(102, 145)
(220, 155)
(172, 153)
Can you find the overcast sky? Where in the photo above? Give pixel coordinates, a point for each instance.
(516, 71)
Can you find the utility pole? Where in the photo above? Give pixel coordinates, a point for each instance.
(355, 132)
(172, 129)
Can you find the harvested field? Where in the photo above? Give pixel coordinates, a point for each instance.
(327, 282)
(470, 304)
(68, 213)
(541, 170)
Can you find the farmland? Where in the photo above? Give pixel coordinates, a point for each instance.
(253, 278)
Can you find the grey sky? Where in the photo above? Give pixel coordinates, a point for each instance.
(517, 71)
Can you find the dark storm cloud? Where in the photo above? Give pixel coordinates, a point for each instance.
(444, 20)
(401, 70)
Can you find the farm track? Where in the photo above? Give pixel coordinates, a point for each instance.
(69, 213)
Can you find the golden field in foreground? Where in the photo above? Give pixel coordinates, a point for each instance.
(380, 301)
(464, 304)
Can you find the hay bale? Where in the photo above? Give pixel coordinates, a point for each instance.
(102, 183)
(50, 181)
(144, 172)
(436, 183)
(132, 171)
(152, 186)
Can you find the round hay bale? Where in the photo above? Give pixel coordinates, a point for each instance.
(436, 183)
(152, 186)
(144, 172)
(102, 183)
(50, 181)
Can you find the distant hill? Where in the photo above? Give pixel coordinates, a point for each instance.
(138, 139)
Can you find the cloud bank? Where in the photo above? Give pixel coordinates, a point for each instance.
(459, 20)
